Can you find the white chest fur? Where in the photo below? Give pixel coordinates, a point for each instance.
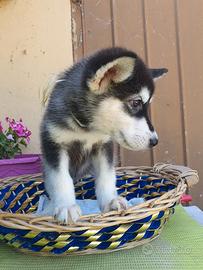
(88, 138)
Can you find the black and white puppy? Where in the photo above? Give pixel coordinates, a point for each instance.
(103, 98)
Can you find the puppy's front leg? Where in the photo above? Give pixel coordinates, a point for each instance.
(106, 192)
(60, 188)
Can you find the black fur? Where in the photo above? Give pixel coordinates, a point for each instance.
(50, 149)
(80, 159)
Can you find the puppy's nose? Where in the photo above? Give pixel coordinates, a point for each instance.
(153, 141)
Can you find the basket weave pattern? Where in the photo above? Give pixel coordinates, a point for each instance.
(161, 186)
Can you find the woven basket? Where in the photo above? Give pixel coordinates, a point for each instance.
(161, 186)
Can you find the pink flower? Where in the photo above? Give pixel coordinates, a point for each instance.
(1, 128)
(19, 128)
(10, 137)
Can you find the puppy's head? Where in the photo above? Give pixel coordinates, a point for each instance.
(124, 87)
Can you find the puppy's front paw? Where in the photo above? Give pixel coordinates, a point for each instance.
(67, 215)
(119, 203)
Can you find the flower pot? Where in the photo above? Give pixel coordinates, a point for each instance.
(21, 164)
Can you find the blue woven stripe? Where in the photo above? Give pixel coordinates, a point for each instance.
(3, 192)
(6, 230)
(32, 203)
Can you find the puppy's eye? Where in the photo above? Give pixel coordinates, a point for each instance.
(135, 103)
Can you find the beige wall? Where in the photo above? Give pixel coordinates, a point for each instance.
(35, 42)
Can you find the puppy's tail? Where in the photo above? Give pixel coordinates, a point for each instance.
(46, 91)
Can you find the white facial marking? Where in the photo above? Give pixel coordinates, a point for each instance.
(129, 131)
(144, 94)
(136, 136)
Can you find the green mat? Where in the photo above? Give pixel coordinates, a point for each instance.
(180, 246)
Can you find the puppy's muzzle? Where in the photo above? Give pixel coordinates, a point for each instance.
(153, 141)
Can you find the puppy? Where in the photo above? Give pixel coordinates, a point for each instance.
(101, 99)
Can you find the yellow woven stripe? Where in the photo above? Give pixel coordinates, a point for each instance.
(115, 237)
(167, 213)
(114, 245)
(93, 237)
(162, 222)
(154, 216)
(144, 227)
(61, 244)
(139, 236)
(122, 229)
(56, 245)
(155, 233)
(63, 237)
(111, 239)
(9, 236)
(71, 249)
(46, 249)
(89, 233)
(31, 234)
(16, 244)
(42, 242)
(93, 244)
(50, 248)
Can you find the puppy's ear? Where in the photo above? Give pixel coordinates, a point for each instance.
(157, 73)
(116, 71)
